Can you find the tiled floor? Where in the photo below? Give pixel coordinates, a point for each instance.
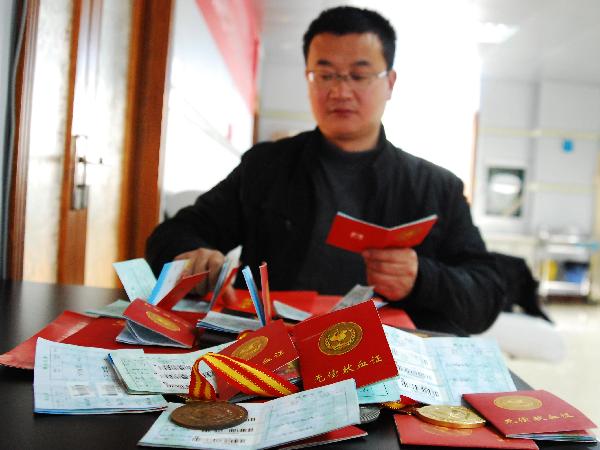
(576, 378)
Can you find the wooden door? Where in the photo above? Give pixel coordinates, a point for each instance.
(85, 41)
(143, 49)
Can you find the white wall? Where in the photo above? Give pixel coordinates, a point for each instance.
(208, 124)
(507, 115)
(564, 198)
(524, 124)
(435, 97)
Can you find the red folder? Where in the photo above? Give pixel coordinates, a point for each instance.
(315, 304)
(413, 431)
(23, 355)
(309, 301)
(395, 317)
(356, 235)
(298, 299)
(528, 412)
(344, 344)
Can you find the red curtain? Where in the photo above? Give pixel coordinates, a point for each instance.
(235, 26)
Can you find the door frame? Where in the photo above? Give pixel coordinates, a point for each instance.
(23, 101)
(146, 108)
(140, 192)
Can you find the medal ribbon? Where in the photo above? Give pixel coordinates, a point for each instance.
(246, 376)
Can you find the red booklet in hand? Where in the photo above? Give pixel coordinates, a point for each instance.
(526, 413)
(413, 431)
(150, 325)
(344, 344)
(357, 235)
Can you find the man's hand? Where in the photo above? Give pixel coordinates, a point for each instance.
(201, 260)
(392, 271)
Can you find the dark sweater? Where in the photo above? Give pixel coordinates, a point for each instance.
(268, 203)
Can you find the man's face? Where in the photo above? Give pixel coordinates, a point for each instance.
(349, 115)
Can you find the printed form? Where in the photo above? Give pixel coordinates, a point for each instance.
(69, 379)
(286, 419)
(160, 373)
(438, 370)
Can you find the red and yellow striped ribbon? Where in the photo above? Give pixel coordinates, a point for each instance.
(200, 388)
(248, 377)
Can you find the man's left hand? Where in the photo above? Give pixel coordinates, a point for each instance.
(392, 271)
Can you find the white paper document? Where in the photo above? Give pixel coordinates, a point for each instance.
(137, 278)
(438, 370)
(286, 419)
(358, 294)
(189, 305)
(289, 312)
(69, 379)
(227, 267)
(114, 309)
(380, 392)
(228, 323)
(159, 373)
(168, 278)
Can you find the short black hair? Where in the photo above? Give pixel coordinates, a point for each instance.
(348, 19)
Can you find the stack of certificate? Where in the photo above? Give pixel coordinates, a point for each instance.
(283, 420)
(69, 379)
(158, 373)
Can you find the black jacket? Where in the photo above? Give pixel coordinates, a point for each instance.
(267, 204)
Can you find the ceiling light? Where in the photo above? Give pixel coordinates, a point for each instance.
(494, 33)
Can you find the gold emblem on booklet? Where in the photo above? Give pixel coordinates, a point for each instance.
(200, 415)
(340, 338)
(251, 348)
(439, 430)
(408, 234)
(162, 321)
(517, 402)
(450, 416)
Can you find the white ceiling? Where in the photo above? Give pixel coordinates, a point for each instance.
(556, 39)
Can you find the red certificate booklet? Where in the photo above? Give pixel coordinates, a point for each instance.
(181, 288)
(357, 235)
(413, 431)
(528, 412)
(344, 344)
(151, 325)
(269, 346)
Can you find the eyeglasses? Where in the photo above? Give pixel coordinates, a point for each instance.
(326, 79)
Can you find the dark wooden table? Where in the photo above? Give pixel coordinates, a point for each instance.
(27, 307)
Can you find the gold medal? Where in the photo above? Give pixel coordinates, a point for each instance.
(450, 416)
(394, 406)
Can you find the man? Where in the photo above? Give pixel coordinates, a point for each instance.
(280, 201)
